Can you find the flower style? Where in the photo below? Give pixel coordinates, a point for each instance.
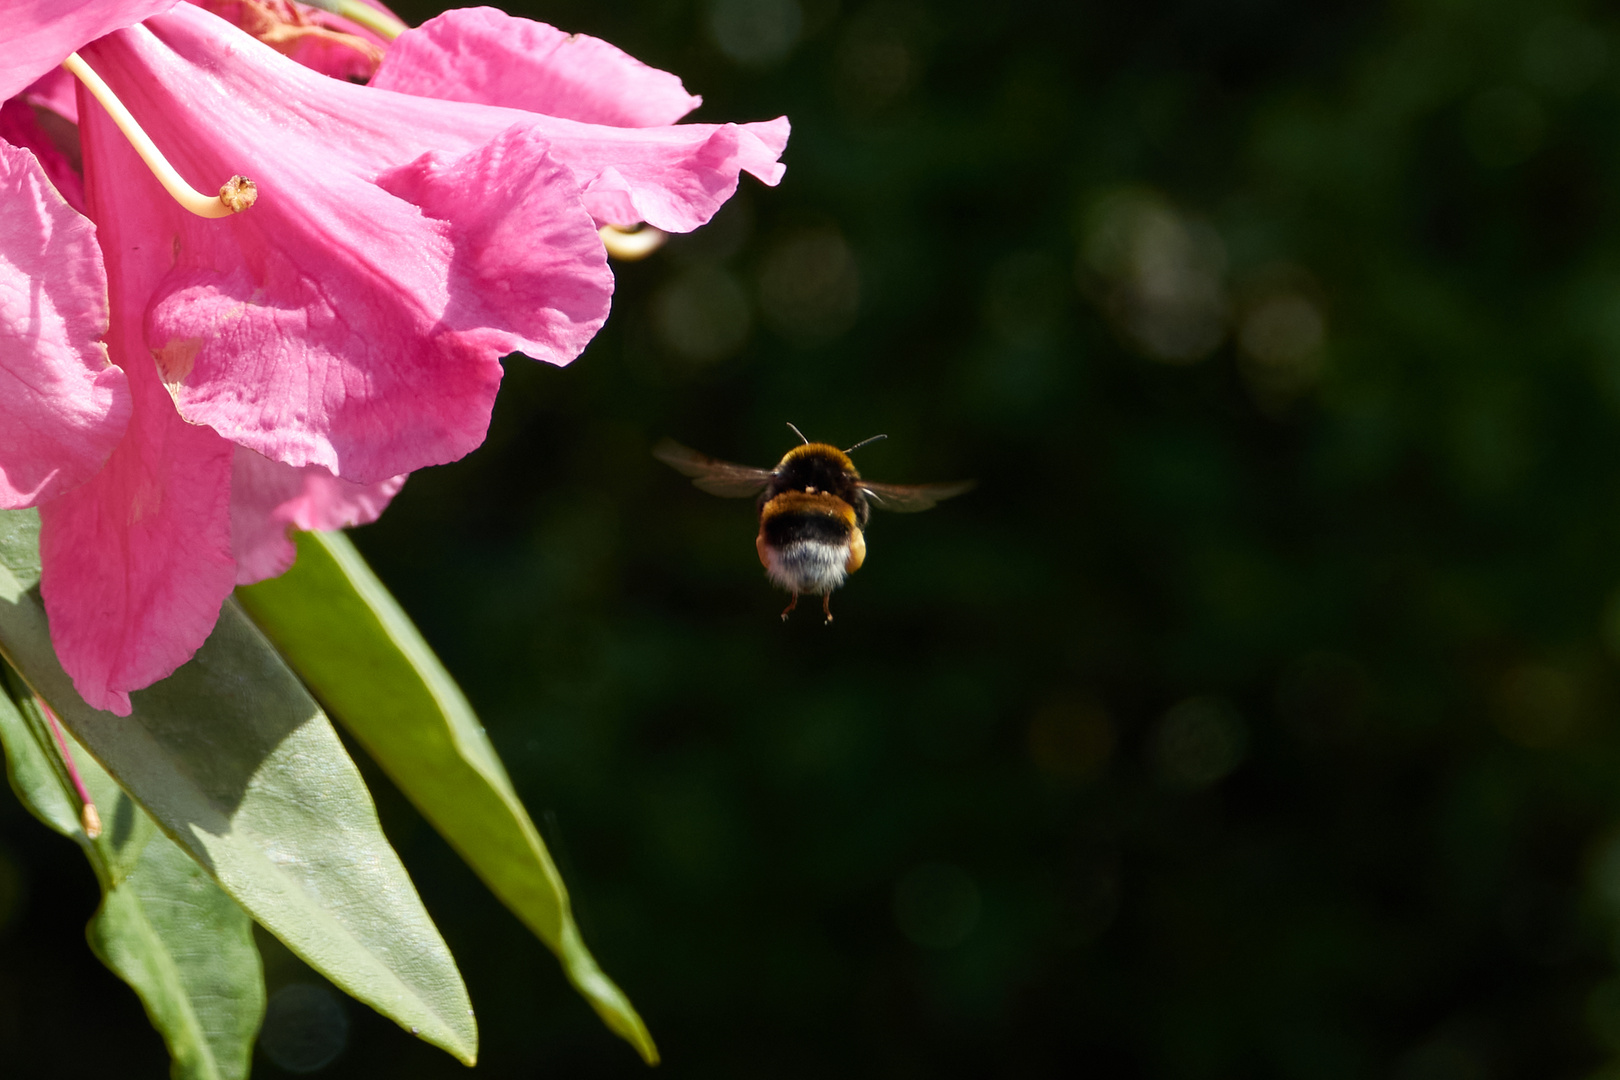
(288, 365)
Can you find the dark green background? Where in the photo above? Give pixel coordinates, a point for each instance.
(1256, 716)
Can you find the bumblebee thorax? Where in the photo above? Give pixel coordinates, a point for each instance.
(817, 465)
(819, 469)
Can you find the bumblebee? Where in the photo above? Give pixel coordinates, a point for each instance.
(813, 509)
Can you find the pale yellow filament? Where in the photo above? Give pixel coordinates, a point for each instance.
(628, 245)
(236, 195)
(380, 23)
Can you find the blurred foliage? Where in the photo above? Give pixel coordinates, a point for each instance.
(1257, 717)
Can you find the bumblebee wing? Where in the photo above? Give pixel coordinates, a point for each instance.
(909, 498)
(711, 474)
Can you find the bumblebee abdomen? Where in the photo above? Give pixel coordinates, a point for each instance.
(794, 528)
(807, 543)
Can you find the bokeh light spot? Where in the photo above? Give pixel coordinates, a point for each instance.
(1605, 870)
(873, 72)
(1024, 298)
(702, 314)
(1071, 740)
(936, 905)
(1280, 336)
(1538, 706)
(1611, 624)
(755, 33)
(1603, 1017)
(1201, 740)
(1504, 126)
(1282, 331)
(1449, 1056)
(1162, 275)
(809, 287)
(1324, 698)
(305, 1028)
(879, 56)
(1564, 55)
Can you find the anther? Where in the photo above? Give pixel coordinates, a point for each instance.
(238, 193)
(628, 245)
(235, 196)
(380, 23)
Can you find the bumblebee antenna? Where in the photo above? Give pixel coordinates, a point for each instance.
(800, 434)
(863, 442)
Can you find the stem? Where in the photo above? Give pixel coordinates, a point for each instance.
(88, 815)
(378, 22)
(236, 195)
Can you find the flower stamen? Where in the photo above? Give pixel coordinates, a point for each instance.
(630, 244)
(89, 818)
(236, 195)
(380, 23)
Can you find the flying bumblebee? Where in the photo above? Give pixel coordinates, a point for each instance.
(813, 509)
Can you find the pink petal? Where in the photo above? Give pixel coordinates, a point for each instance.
(57, 91)
(51, 130)
(269, 499)
(487, 56)
(519, 258)
(20, 126)
(62, 405)
(674, 178)
(137, 561)
(334, 58)
(39, 34)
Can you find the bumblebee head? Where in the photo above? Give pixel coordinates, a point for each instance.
(816, 467)
(823, 454)
(826, 453)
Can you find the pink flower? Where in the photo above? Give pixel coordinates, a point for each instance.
(62, 405)
(40, 33)
(287, 366)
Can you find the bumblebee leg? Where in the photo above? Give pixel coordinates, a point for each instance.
(826, 607)
(791, 605)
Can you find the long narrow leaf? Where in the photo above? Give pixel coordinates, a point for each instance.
(163, 927)
(347, 637)
(239, 766)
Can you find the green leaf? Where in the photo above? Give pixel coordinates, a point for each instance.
(19, 545)
(163, 927)
(34, 770)
(237, 764)
(341, 630)
(188, 950)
